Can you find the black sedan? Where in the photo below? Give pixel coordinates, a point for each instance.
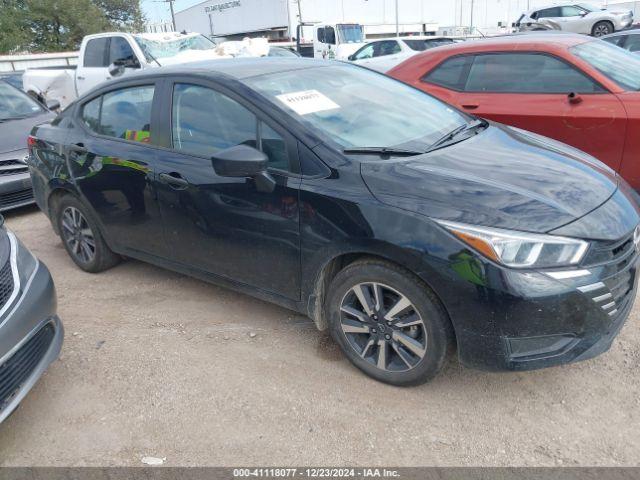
(18, 115)
(397, 222)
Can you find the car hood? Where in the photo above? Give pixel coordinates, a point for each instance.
(14, 133)
(503, 177)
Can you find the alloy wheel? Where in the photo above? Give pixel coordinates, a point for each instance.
(383, 327)
(601, 30)
(78, 235)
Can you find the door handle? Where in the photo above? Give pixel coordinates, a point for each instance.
(470, 106)
(80, 78)
(174, 180)
(78, 148)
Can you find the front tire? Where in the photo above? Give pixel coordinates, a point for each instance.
(81, 237)
(601, 29)
(388, 323)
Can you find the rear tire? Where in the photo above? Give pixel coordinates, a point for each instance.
(81, 237)
(402, 336)
(602, 28)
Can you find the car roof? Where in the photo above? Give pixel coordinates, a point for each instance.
(520, 41)
(544, 7)
(238, 68)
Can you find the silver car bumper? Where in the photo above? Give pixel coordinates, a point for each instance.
(31, 335)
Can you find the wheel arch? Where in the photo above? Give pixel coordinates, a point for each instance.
(339, 260)
(56, 193)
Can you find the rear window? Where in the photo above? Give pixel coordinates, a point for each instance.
(621, 66)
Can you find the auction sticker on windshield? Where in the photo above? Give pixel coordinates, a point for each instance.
(307, 101)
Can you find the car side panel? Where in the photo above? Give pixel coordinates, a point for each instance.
(630, 167)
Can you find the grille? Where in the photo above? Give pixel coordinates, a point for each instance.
(17, 369)
(12, 167)
(14, 198)
(618, 261)
(6, 283)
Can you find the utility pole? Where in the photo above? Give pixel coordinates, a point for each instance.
(397, 21)
(173, 16)
(471, 26)
(299, 12)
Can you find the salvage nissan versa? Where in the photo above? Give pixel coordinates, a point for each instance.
(397, 222)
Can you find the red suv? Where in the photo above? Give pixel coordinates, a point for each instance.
(573, 88)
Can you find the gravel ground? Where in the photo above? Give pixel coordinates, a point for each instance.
(159, 364)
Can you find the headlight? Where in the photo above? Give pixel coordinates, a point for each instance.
(25, 261)
(517, 249)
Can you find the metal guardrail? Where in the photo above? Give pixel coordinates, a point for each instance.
(18, 63)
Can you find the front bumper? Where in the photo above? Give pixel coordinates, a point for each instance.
(15, 191)
(22, 337)
(505, 319)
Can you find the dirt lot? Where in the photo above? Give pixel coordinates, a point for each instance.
(159, 364)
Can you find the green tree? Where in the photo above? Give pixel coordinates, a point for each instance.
(58, 25)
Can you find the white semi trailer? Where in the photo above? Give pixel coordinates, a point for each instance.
(335, 28)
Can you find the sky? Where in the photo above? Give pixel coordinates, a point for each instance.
(444, 12)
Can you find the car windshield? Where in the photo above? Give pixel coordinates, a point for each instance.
(355, 107)
(422, 45)
(350, 33)
(169, 48)
(621, 66)
(16, 104)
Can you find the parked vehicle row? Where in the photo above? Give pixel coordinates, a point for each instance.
(385, 53)
(575, 18)
(19, 113)
(398, 222)
(578, 90)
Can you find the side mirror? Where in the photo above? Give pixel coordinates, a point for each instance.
(243, 161)
(115, 70)
(351, 58)
(53, 104)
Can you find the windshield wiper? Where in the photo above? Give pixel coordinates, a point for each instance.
(382, 151)
(450, 137)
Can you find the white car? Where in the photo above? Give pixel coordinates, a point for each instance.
(576, 18)
(385, 53)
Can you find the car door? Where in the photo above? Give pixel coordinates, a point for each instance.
(540, 93)
(551, 15)
(572, 20)
(93, 70)
(111, 156)
(221, 225)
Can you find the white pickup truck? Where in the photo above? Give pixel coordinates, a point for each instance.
(105, 55)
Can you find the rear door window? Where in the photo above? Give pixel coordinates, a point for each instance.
(124, 114)
(526, 73)
(451, 74)
(95, 53)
